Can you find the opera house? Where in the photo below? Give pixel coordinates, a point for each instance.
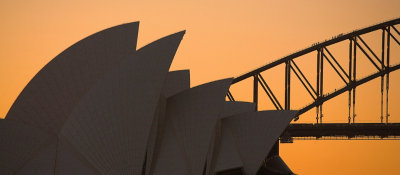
(103, 107)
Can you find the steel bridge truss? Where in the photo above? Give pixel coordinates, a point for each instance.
(356, 46)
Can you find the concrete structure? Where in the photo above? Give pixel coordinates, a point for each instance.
(102, 107)
(50, 97)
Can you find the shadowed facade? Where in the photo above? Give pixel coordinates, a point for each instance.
(103, 107)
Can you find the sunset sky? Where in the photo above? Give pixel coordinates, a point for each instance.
(223, 39)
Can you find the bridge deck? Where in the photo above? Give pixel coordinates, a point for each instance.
(357, 130)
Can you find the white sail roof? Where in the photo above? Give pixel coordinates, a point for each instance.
(156, 130)
(101, 107)
(194, 113)
(42, 162)
(18, 144)
(169, 156)
(112, 122)
(225, 155)
(237, 107)
(176, 81)
(255, 133)
(51, 95)
(71, 162)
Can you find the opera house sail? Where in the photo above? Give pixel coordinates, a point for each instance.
(104, 107)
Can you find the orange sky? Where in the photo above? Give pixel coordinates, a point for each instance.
(223, 39)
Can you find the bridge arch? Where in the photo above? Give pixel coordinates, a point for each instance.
(356, 43)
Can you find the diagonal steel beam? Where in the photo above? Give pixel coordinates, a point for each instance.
(302, 82)
(373, 53)
(304, 77)
(395, 39)
(396, 30)
(262, 81)
(336, 62)
(334, 68)
(348, 87)
(230, 96)
(369, 58)
(270, 96)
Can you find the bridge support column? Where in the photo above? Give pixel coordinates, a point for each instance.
(383, 76)
(387, 76)
(320, 82)
(350, 73)
(255, 91)
(287, 85)
(354, 76)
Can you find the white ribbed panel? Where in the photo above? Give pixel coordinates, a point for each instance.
(227, 156)
(168, 155)
(71, 162)
(154, 141)
(224, 155)
(213, 148)
(237, 107)
(194, 113)
(18, 144)
(42, 163)
(112, 122)
(51, 95)
(176, 82)
(255, 133)
(277, 165)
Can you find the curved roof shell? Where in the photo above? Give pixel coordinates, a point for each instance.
(225, 155)
(255, 133)
(176, 81)
(19, 143)
(168, 155)
(103, 107)
(194, 114)
(43, 162)
(111, 124)
(51, 95)
(71, 162)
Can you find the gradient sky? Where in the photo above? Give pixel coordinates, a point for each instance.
(223, 39)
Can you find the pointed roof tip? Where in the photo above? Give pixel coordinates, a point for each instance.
(134, 26)
(179, 34)
(226, 81)
(292, 113)
(180, 70)
(101, 51)
(134, 23)
(174, 38)
(296, 113)
(183, 32)
(229, 78)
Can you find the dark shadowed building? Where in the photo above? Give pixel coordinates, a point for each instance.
(103, 107)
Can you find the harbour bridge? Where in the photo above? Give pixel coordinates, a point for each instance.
(387, 36)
